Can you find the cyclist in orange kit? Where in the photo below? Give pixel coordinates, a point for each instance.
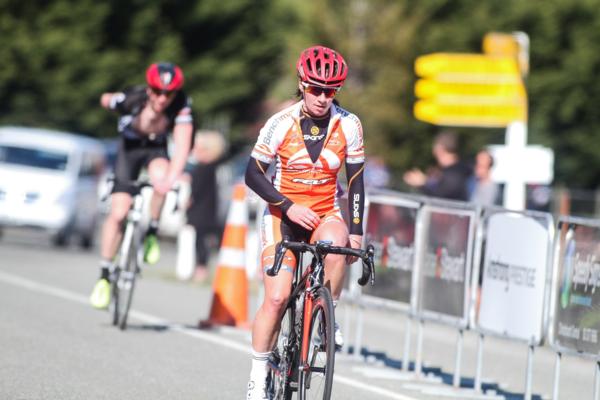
(308, 142)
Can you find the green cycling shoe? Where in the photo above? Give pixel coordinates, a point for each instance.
(100, 297)
(151, 249)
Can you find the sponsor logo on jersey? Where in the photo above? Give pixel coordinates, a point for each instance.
(311, 181)
(314, 138)
(274, 124)
(355, 208)
(314, 130)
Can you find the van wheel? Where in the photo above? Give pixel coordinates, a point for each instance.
(87, 241)
(61, 239)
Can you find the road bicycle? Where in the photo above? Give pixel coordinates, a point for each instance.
(130, 257)
(304, 354)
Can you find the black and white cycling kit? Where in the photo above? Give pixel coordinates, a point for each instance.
(137, 149)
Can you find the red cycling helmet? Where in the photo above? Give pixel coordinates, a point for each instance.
(322, 66)
(164, 76)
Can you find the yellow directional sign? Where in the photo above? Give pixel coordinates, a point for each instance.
(469, 90)
(436, 64)
(430, 88)
(489, 114)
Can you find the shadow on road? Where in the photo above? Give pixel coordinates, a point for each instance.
(446, 377)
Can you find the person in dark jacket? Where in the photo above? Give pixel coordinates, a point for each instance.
(449, 181)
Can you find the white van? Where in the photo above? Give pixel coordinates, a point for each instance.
(48, 180)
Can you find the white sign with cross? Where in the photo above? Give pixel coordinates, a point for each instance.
(517, 164)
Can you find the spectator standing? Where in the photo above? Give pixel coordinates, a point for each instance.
(482, 189)
(377, 175)
(450, 179)
(202, 213)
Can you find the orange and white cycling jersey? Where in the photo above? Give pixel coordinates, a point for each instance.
(312, 184)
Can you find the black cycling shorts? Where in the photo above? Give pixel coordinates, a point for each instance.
(133, 155)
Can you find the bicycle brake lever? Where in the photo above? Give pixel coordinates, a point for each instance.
(279, 252)
(371, 257)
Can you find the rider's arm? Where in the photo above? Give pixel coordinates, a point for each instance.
(263, 154)
(124, 102)
(356, 196)
(182, 138)
(355, 165)
(258, 182)
(110, 100)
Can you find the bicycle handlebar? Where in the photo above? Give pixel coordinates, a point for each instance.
(322, 248)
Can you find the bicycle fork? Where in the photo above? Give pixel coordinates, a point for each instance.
(133, 218)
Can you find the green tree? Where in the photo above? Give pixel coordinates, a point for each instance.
(382, 38)
(60, 55)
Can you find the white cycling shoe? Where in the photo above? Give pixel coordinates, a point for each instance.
(255, 392)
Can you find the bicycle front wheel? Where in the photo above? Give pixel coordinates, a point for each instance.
(282, 360)
(125, 286)
(126, 280)
(114, 300)
(316, 372)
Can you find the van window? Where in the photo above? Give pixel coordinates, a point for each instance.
(37, 158)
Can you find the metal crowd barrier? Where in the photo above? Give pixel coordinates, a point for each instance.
(574, 314)
(514, 252)
(520, 276)
(443, 248)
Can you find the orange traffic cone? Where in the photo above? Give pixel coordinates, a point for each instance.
(230, 286)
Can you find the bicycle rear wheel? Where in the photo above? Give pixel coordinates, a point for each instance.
(282, 360)
(316, 376)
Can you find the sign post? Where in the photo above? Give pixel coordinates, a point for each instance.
(516, 164)
(486, 90)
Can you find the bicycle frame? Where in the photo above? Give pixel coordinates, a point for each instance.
(307, 295)
(129, 262)
(310, 280)
(133, 219)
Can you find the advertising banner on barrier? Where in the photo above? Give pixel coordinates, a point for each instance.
(445, 263)
(516, 257)
(391, 230)
(576, 322)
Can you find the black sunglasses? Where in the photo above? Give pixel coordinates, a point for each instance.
(158, 92)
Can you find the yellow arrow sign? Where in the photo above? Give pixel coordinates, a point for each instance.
(490, 114)
(429, 88)
(432, 65)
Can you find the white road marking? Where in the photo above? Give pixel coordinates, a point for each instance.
(206, 336)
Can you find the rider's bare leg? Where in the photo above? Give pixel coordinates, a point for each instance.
(268, 316)
(157, 169)
(120, 203)
(267, 321)
(335, 231)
